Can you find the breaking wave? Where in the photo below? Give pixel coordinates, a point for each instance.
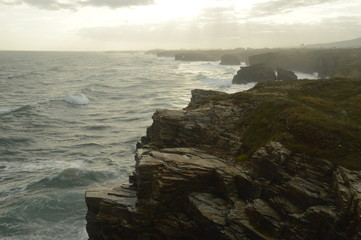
(77, 99)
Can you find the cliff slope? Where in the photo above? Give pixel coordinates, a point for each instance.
(270, 163)
(326, 62)
(353, 43)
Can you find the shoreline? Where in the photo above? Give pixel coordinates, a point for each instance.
(199, 175)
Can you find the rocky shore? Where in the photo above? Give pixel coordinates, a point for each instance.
(268, 163)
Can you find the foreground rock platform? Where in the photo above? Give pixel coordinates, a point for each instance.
(197, 177)
(184, 193)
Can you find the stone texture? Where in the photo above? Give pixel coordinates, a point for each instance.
(185, 193)
(178, 191)
(254, 73)
(283, 74)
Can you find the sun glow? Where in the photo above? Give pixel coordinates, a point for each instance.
(91, 24)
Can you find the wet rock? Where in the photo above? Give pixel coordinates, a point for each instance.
(283, 74)
(254, 73)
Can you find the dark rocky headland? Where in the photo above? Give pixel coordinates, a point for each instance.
(280, 161)
(328, 63)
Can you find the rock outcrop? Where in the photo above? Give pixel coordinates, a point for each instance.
(326, 62)
(241, 53)
(229, 59)
(254, 73)
(283, 74)
(197, 177)
(184, 193)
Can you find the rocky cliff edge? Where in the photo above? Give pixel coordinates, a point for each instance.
(199, 174)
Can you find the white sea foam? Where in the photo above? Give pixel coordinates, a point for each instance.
(5, 109)
(40, 165)
(77, 99)
(211, 75)
(302, 75)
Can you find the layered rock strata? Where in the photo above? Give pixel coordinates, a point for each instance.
(188, 184)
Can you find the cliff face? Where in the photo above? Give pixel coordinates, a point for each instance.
(198, 177)
(254, 73)
(326, 62)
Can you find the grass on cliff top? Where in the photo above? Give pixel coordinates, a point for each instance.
(321, 118)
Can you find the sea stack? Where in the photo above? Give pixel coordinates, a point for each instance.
(254, 73)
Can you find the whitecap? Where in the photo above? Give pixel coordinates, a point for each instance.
(302, 75)
(77, 99)
(5, 109)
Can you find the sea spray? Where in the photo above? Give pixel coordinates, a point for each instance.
(77, 99)
(54, 143)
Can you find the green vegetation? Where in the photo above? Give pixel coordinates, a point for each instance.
(344, 63)
(319, 118)
(242, 158)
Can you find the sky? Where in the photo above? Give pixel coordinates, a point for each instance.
(101, 25)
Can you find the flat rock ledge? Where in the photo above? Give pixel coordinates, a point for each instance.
(185, 193)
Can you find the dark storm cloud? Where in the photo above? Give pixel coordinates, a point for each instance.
(74, 5)
(283, 6)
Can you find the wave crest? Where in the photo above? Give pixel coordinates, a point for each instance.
(77, 99)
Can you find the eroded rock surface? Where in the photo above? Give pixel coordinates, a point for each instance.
(185, 193)
(283, 74)
(254, 73)
(188, 185)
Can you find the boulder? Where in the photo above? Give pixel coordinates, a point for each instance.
(254, 73)
(283, 74)
(229, 59)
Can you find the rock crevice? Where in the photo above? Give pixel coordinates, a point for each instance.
(188, 184)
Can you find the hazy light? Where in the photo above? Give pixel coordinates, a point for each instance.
(142, 24)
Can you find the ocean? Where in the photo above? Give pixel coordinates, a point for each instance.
(72, 119)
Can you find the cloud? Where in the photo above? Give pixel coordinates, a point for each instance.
(218, 34)
(10, 2)
(117, 3)
(76, 4)
(219, 14)
(275, 7)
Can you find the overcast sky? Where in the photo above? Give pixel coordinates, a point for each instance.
(83, 25)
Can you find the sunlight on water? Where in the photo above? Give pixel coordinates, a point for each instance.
(54, 144)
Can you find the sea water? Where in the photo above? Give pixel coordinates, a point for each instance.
(72, 119)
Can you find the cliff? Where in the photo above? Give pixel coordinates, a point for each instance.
(326, 62)
(352, 43)
(280, 161)
(241, 54)
(254, 73)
